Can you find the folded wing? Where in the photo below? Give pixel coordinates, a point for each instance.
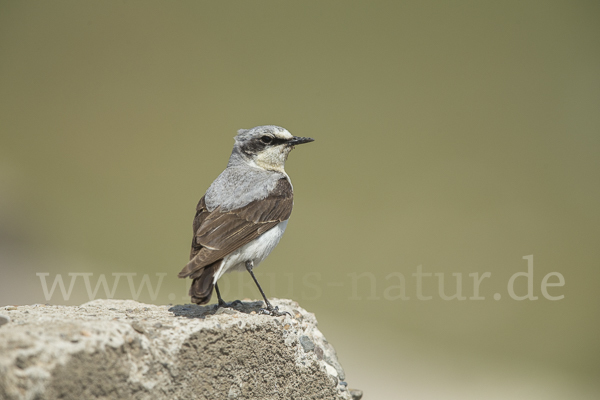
(218, 233)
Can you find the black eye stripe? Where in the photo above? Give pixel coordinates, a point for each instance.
(274, 141)
(277, 141)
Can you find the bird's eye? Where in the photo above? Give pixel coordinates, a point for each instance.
(266, 139)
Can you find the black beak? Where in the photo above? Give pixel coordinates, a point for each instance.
(299, 140)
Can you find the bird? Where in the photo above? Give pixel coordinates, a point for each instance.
(244, 213)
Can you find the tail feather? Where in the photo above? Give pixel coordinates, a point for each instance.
(203, 283)
(193, 269)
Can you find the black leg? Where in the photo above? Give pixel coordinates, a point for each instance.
(269, 308)
(221, 302)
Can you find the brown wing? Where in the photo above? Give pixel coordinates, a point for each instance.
(217, 233)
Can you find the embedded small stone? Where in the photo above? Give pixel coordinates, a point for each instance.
(138, 327)
(307, 344)
(319, 352)
(4, 319)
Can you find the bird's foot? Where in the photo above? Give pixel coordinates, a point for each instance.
(236, 303)
(273, 311)
(223, 304)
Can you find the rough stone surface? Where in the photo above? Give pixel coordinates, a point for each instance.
(122, 349)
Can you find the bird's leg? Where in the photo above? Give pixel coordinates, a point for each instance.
(270, 310)
(221, 302)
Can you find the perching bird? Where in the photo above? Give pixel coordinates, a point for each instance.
(244, 213)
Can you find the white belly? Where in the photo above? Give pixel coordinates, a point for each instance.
(257, 250)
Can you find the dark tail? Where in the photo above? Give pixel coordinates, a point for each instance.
(202, 286)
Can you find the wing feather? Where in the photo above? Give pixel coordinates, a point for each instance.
(218, 233)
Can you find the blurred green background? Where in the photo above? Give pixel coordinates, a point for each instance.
(458, 136)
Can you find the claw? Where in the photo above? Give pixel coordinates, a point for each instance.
(273, 311)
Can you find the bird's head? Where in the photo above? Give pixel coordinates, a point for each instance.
(267, 146)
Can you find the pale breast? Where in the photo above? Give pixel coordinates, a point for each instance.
(257, 250)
